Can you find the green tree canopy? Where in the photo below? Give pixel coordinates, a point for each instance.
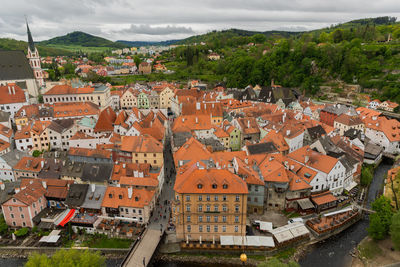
(274, 262)
(395, 230)
(366, 175)
(381, 220)
(67, 258)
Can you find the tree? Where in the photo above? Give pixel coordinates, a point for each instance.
(21, 232)
(395, 230)
(366, 175)
(337, 36)
(36, 153)
(137, 61)
(274, 262)
(3, 225)
(72, 257)
(380, 221)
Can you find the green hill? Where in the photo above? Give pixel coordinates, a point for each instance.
(11, 44)
(81, 39)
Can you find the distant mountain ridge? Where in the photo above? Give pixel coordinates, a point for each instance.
(147, 43)
(82, 39)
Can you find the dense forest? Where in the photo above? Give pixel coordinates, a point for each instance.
(365, 52)
(82, 39)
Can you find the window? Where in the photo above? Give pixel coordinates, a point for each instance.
(12, 216)
(216, 198)
(214, 186)
(200, 228)
(215, 228)
(187, 207)
(215, 218)
(215, 207)
(236, 228)
(224, 197)
(199, 186)
(10, 208)
(200, 198)
(187, 198)
(200, 208)
(237, 197)
(200, 218)
(236, 219)
(223, 218)
(208, 228)
(208, 218)
(22, 216)
(188, 218)
(236, 208)
(224, 186)
(20, 208)
(189, 228)
(208, 208)
(120, 196)
(224, 228)
(208, 197)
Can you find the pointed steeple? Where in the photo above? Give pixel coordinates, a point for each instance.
(30, 39)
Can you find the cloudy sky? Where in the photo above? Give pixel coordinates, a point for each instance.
(157, 20)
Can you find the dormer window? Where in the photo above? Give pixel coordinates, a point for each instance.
(110, 195)
(199, 186)
(214, 186)
(120, 196)
(136, 199)
(225, 186)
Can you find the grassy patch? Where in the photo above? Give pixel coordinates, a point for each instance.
(102, 241)
(369, 249)
(75, 48)
(286, 254)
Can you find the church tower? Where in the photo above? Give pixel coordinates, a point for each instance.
(34, 59)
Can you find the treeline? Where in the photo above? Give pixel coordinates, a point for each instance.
(353, 55)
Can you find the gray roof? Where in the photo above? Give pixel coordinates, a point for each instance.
(72, 169)
(372, 151)
(214, 143)
(94, 198)
(4, 116)
(339, 109)
(76, 195)
(261, 148)
(60, 126)
(181, 138)
(97, 172)
(51, 169)
(8, 191)
(316, 131)
(14, 66)
(13, 157)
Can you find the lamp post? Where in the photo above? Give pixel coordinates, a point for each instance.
(243, 258)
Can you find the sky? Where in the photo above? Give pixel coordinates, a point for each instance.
(159, 20)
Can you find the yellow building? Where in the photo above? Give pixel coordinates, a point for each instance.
(129, 99)
(39, 135)
(165, 97)
(208, 202)
(142, 149)
(99, 95)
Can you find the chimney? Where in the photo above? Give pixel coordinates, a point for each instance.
(246, 160)
(44, 184)
(287, 132)
(17, 189)
(13, 90)
(93, 187)
(130, 192)
(197, 120)
(123, 165)
(135, 173)
(306, 159)
(2, 186)
(9, 90)
(198, 105)
(42, 164)
(248, 124)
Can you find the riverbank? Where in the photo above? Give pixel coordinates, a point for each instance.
(375, 253)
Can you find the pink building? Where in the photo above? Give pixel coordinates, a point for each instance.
(26, 203)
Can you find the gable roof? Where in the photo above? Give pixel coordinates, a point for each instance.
(313, 159)
(116, 197)
(106, 120)
(11, 93)
(14, 66)
(142, 144)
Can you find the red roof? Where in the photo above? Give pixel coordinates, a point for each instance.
(106, 120)
(11, 93)
(65, 89)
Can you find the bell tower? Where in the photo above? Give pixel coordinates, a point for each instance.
(34, 59)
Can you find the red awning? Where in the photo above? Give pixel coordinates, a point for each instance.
(67, 218)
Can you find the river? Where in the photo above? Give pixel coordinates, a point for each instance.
(335, 251)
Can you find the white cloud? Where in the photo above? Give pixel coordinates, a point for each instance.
(155, 20)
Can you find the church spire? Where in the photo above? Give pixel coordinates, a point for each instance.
(30, 39)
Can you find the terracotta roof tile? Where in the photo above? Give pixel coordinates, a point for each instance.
(12, 93)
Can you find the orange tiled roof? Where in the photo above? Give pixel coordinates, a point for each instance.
(277, 139)
(116, 197)
(29, 164)
(129, 170)
(11, 93)
(89, 152)
(106, 120)
(323, 198)
(65, 89)
(30, 194)
(348, 120)
(313, 159)
(76, 109)
(191, 150)
(249, 174)
(142, 144)
(189, 181)
(192, 123)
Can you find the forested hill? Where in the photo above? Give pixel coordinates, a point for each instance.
(11, 44)
(364, 52)
(82, 39)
